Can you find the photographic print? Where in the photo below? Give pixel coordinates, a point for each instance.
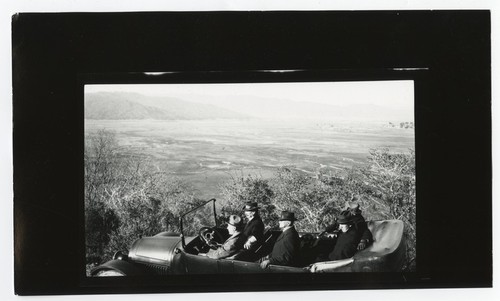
(223, 178)
(245, 151)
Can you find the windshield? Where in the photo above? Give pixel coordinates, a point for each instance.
(198, 217)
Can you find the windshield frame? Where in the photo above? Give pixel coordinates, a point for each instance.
(181, 219)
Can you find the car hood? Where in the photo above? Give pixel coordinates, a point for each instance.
(155, 250)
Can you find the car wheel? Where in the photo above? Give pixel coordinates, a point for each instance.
(109, 273)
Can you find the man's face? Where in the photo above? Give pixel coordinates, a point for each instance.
(344, 227)
(249, 214)
(231, 229)
(284, 224)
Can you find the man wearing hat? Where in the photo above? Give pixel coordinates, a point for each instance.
(286, 248)
(359, 222)
(254, 229)
(233, 243)
(347, 239)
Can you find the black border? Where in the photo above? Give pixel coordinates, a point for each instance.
(52, 53)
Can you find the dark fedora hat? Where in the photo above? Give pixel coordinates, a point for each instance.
(345, 217)
(235, 220)
(287, 216)
(250, 206)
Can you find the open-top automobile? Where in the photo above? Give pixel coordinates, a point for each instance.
(169, 253)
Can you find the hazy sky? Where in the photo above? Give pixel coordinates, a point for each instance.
(394, 94)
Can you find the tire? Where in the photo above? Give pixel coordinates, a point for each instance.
(109, 273)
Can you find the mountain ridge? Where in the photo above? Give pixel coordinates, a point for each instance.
(132, 105)
(126, 105)
(264, 107)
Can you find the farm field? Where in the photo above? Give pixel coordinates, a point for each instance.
(206, 153)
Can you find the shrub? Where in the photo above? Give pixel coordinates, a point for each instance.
(391, 180)
(127, 197)
(101, 165)
(244, 189)
(146, 210)
(314, 202)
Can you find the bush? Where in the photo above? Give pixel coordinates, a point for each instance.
(314, 202)
(250, 189)
(147, 209)
(391, 180)
(127, 198)
(101, 166)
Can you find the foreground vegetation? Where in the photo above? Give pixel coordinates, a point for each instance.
(127, 197)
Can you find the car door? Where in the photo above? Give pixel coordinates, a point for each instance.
(196, 264)
(284, 269)
(254, 267)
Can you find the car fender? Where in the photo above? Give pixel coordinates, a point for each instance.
(124, 267)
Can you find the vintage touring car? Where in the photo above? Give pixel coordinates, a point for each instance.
(174, 253)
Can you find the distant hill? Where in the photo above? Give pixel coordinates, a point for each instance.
(125, 105)
(271, 108)
(128, 105)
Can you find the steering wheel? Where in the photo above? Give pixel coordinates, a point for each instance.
(210, 237)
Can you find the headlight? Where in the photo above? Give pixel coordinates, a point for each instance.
(119, 255)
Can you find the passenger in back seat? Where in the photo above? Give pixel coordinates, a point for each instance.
(359, 236)
(365, 235)
(347, 239)
(287, 246)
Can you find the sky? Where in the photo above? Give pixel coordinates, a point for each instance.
(392, 94)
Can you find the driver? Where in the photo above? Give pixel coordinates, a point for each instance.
(235, 241)
(254, 229)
